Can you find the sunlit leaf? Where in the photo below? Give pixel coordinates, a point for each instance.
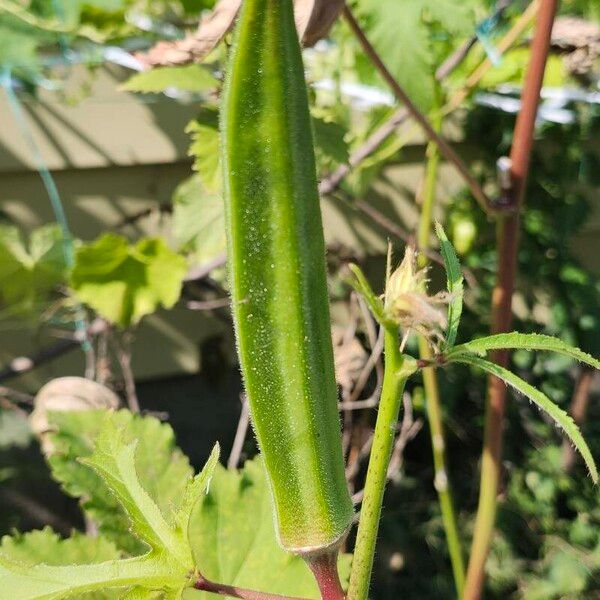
(44, 582)
(198, 220)
(28, 272)
(560, 417)
(399, 30)
(163, 471)
(41, 565)
(113, 459)
(204, 131)
(124, 282)
(189, 78)
(46, 547)
(329, 140)
(233, 537)
(523, 341)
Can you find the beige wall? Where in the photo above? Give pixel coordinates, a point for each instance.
(115, 154)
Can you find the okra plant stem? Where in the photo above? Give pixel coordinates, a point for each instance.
(507, 233)
(324, 568)
(232, 591)
(430, 380)
(394, 379)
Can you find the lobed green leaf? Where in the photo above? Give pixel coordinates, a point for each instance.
(329, 139)
(29, 271)
(198, 220)
(125, 282)
(45, 546)
(204, 132)
(114, 460)
(49, 582)
(560, 417)
(39, 566)
(164, 472)
(233, 537)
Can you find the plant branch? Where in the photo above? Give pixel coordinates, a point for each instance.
(430, 380)
(507, 239)
(394, 229)
(332, 181)
(123, 349)
(24, 364)
(383, 440)
(408, 430)
(578, 410)
(240, 434)
(401, 95)
(233, 591)
(16, 396)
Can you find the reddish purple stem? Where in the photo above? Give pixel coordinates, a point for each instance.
(235, 592)
(324, 568)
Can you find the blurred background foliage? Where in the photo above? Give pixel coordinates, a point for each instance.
(547, 543)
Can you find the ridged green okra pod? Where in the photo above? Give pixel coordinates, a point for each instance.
(277, 277)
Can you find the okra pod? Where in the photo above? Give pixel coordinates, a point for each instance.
(276, 257)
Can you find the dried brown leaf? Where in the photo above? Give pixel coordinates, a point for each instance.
(350, 358)
(314, 19)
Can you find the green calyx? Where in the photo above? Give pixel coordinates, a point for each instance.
(278, 280)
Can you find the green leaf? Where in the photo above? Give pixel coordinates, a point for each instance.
(523, 341)
(560, 417)
(113, 459)
(163, 471)
(362, 286)
(195, 490)
(205, 148)
(329, 139)
(125, 282)
(38, 565)
(29, 272)
(44, 582)
(142, 594)
(46, 546)
(189, 78)
(165, 569)
(400, 32)
(233, 538)
(454, 284)
(513, 67)
(198, 220)
(19, 45)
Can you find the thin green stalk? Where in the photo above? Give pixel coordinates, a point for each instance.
(430, 381)
(436, 429)
(394, 380)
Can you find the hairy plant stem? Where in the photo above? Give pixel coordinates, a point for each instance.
(507, 239)
(430, 380)
(394, 380)
(324, 568)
